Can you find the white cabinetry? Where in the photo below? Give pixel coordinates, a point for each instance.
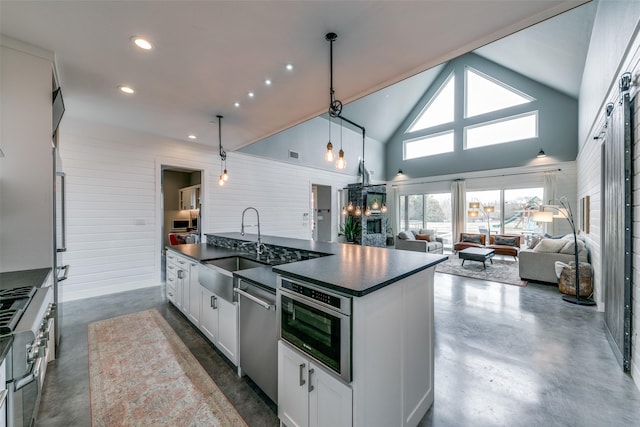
(308, 395)
(209, 314)
(219, 323)
(182, 276)
(189, 198)
(194, 294)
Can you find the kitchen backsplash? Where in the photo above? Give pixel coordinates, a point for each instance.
(272, 253)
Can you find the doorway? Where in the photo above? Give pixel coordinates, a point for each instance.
(182, 204)
(321, 218)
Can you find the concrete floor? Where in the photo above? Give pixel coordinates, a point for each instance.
(505, 356)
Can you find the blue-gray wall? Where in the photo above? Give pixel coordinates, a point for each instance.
(309, 140)
(557, 127)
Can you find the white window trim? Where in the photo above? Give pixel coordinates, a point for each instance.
(534, 113)
(424, 137)
(497, 82)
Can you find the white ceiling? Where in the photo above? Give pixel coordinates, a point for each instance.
(209, 54)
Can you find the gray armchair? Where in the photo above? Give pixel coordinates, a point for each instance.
(417, 241)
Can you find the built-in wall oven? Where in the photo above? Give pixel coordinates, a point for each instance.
(317, 322)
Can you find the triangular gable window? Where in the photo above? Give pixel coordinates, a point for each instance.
(484, 94)
(439, 110)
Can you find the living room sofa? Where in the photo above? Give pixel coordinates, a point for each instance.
(419, 241)
(470, 240)
(538, 263)
(502, 244)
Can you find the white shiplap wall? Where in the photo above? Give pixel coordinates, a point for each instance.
(114, 211)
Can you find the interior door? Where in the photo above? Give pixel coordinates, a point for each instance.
(617, 226)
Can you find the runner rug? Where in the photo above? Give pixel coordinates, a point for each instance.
(142, 374)
(501, 271)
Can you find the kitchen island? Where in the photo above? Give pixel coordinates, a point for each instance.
(389, 327)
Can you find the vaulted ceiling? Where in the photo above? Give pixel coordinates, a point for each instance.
(210, 54)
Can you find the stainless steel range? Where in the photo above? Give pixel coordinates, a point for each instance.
(26, 313)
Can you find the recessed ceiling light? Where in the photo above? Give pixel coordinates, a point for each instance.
(236, 104)
(289, 67)
(192, 136)
(251, 94)
(142, 43)
(126, 89)
(267, 82)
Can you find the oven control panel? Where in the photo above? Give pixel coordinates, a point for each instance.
(340, 303)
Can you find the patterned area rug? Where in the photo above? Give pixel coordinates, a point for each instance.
(502, 271)
(142, 374)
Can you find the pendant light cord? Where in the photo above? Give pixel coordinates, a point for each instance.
(223, 154)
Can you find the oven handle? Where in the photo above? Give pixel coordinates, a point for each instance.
(29, 378)
(263, 304)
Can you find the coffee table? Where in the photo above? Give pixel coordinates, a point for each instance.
(477, 254)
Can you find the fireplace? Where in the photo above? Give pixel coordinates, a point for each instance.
(374, 226)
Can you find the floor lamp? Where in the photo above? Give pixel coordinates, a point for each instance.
(474, 211)
(546, 214)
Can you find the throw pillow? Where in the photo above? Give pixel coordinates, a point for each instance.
(471, 238)
(549, 236)
(550, 245)
(406, 235)
(534, 242)
(569, 246)
(426, 237)
(507, 241)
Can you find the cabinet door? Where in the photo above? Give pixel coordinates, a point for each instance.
(209, 314)
(195, 295)
(228, 329)
(293, 394)
(183, 284)
(330, 400)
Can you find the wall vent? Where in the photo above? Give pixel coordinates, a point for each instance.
(294, 155)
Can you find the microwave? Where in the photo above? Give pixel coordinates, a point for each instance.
(183, 224)
(317, 322)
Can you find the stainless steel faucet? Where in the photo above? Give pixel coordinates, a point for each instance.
(259, 245)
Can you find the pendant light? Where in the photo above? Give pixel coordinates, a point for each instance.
(335, 110)
(341, 163)
(224, 176)
(328, 156)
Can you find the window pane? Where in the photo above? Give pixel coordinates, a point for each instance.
(416, 211)
(518, 207)
(499, 132)
(484, 220)
(438, 216)
(428, 146)
(484, 94)
(439, 110)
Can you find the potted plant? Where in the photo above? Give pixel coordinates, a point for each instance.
(350, 229)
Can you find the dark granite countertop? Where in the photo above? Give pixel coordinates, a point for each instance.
(352, 269)
(14, 279)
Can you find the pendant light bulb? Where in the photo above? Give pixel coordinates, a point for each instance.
(221, 181)
(340, 163)
(383, 209)
(225, 175)
(375, 205)
(350, 207)
(344, 210)
(358, 211)
(367, 211)
(328, 156)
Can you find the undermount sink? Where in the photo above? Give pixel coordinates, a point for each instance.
(235, 263)
(217, 274)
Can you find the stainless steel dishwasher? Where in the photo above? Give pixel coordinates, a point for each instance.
(258, 337)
